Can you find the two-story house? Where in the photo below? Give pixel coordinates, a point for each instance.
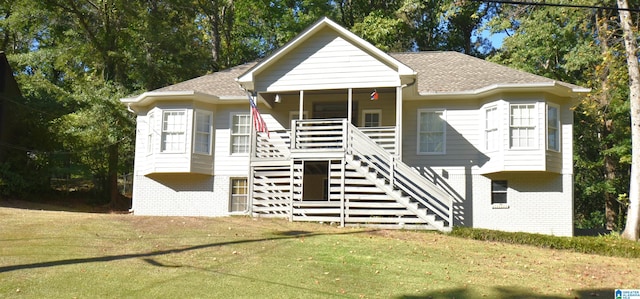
(359, 137)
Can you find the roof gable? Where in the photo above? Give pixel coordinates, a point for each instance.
(319, 44)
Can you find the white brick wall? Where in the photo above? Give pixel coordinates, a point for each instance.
(181, 195)
(537, 203)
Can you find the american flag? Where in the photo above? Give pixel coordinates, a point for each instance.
(258, 121)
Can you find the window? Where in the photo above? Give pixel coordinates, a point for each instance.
(150, 132)
(202, 138)
(295, 115)
(492, 139)
(371, 118)
(553, 128)
(173, 131)
(498, 192)
(239, 195)
(523, 126)
(431, 132)
(240, 130)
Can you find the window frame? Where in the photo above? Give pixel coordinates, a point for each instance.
(233, 136)
(492, 141)
(365, 112)
(150, 132)
(494, 193)
(233, 195)
(197, 114)
(558, 128)
(419, 134)
(532, 126)
(165, 132)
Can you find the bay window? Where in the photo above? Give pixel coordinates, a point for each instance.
(174, 125)
(492, 139)
(203, 128)
(522, 126)
(553, 128)
(150, 132)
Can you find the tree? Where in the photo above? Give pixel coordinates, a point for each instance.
(632, 228)
(581, 46)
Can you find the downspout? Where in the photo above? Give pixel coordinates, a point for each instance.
(252, 150)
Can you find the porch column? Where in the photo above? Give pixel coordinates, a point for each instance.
(301, 105)
(399, 122)
(350, 105)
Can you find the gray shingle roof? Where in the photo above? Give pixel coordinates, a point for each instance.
(451, 72)
(221, 84)
(437, 72)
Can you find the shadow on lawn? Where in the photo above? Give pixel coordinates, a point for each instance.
(510, 293)
(280, 236)
(250, 279)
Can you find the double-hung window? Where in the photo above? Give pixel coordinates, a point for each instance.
(174, 125)
(499, 192)
(203, 128)
(239, 200)
(522, 128)
(492, 139)
(431, 132)
(371, 118)
(553, 128)
(240, 130)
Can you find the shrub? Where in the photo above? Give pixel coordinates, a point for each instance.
(607, 245)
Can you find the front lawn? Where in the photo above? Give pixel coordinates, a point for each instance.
(54, 254)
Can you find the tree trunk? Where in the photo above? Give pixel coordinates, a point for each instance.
(112, 179)
(610, 200)
(632, 228)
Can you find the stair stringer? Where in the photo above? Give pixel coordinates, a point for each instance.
(397, 195)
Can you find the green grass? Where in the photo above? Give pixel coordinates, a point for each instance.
(53, 254)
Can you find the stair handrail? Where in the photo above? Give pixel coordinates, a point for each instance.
(400, 174)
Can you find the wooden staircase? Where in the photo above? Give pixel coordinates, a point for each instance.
(368, 186)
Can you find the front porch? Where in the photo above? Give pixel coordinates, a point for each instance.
(329, 170)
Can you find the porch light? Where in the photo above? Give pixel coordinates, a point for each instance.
(374, 95)
(277, 100)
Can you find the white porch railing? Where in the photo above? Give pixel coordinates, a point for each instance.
(312, 134)
(273, 147)
(400, 175)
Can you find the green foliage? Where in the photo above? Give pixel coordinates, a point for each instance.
(580, 46)
(596, 219)
(386, 33)
(607, 245)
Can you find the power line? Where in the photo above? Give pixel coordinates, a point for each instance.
(558, 5)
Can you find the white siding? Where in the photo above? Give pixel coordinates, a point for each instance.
(202, 164)
(566, 146)
(327, 61)
(225, 163)
(462, 135)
